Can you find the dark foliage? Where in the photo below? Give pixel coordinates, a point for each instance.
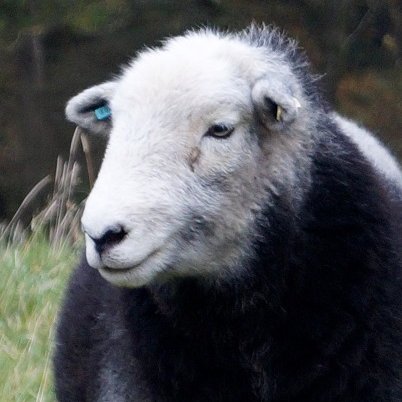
(51, 49)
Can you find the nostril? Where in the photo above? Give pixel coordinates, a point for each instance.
(111, 237)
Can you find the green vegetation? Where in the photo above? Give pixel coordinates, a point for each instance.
(35, 263)
(33, 276)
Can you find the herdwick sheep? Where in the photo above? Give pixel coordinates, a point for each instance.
(243, 242)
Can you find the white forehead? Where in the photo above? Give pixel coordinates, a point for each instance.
(204, 69)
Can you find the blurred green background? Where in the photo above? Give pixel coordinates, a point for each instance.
(51, 49)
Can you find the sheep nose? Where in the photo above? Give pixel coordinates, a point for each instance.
(111, 237)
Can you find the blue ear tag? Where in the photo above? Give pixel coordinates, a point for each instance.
(103, 113)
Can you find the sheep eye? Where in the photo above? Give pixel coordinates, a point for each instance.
(220, 130)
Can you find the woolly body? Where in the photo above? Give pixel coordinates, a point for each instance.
(276, 275)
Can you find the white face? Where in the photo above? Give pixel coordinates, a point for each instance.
(181, 181)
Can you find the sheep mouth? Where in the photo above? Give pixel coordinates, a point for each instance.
(116, 271)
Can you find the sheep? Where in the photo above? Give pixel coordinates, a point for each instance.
(243, 241)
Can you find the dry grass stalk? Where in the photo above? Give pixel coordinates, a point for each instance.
(14, 226)
(62, 214)
(88, 157)
(60, 217)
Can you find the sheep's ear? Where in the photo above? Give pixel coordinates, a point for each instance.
(275, 104)
(90, 109)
